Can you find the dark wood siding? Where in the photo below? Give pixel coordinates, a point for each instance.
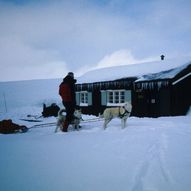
(97, 108)
(181, 97)
(164, 102)
(151, 99)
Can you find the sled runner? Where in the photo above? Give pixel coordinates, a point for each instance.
(31, 120)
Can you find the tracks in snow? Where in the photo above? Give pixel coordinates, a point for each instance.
(152, 168)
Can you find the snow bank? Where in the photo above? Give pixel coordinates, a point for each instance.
(29, 93)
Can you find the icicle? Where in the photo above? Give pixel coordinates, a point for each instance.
(159, 84)
(89, 87)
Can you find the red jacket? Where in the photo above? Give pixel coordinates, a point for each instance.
(65, 92)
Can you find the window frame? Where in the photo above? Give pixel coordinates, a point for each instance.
(84, 98)
(115, 97)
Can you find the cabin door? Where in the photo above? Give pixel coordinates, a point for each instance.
(140, 106)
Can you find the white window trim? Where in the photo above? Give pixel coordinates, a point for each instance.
(115, 104)
(182, 78)
(83, 104)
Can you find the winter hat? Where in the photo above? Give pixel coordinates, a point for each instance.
(71, 74)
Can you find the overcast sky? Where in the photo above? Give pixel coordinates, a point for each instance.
(45, 39)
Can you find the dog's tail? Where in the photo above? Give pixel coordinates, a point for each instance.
(60, 112)
(100, 115)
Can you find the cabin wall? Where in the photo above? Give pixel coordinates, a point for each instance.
(151, 99)
(164, 102)
(139, 103)
(181, 97)
(97, 108)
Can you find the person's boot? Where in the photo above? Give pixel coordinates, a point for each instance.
(65, 126)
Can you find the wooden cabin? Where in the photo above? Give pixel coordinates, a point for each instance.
(163, 94)
(166, 93)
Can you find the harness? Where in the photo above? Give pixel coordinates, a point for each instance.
(75, 117)
(121, 115)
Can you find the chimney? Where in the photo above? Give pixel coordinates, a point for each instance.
(162, 57)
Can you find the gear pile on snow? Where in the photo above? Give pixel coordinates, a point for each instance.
(51, 110)
(7, 127)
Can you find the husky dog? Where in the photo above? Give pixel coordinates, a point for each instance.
(122, 112)
(75, 122)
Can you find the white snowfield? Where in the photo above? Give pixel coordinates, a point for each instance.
(150, 154)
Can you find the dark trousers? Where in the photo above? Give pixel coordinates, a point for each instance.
(70, 108)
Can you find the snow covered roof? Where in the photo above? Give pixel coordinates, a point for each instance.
(144, 71)
(167, 74)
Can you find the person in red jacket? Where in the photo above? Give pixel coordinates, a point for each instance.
(67, 93)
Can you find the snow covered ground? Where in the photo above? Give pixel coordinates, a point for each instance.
(150, 154)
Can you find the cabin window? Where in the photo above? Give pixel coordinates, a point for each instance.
(115, 97)
(83, 98)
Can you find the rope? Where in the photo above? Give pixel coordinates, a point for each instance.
(92, 120)
(43, 125)
(54, 123)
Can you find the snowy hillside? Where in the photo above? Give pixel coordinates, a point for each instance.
(28, 93)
